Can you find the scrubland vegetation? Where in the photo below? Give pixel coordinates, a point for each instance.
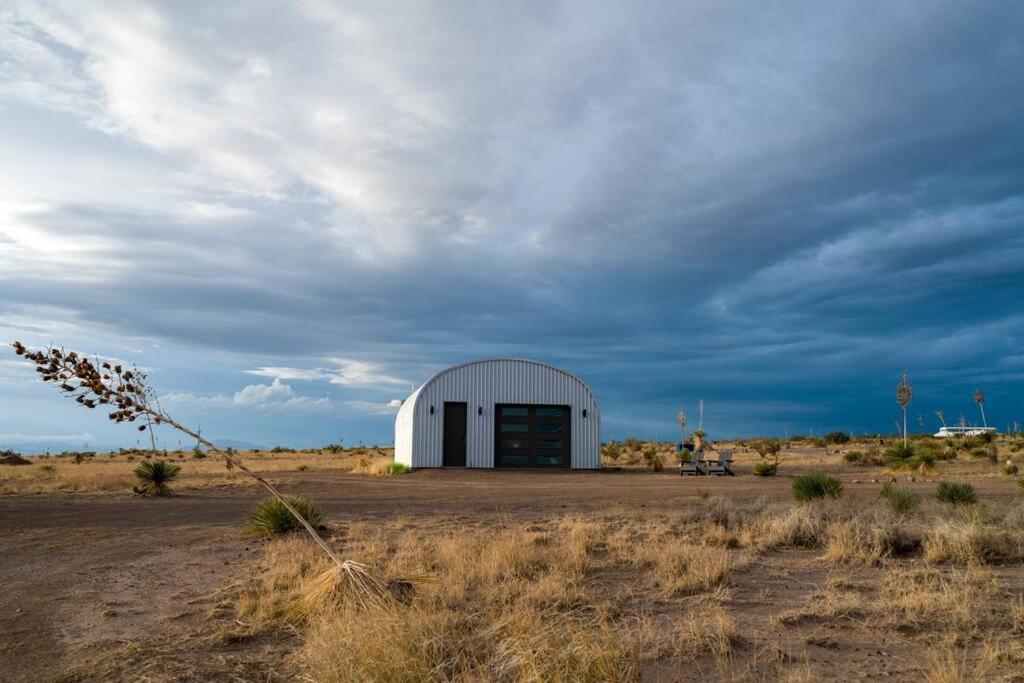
(720, 590)
(837, 566)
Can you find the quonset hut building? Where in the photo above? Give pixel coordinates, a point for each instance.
(500, 413)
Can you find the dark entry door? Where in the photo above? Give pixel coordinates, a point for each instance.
(454, 434)
(531, 436)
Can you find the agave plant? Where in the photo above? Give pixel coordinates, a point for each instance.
(154, 476)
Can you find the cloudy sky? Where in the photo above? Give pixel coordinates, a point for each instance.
(291, 213)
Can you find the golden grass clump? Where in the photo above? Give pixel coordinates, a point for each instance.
(869, 540)
(973, 541)
(927, 600)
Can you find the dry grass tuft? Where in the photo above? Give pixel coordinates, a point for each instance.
(973, 542)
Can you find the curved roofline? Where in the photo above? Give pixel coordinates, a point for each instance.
(414, 396)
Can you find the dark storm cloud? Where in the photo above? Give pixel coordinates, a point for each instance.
(778, 208)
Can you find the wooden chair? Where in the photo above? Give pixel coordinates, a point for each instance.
(692, 466)
(722, 466)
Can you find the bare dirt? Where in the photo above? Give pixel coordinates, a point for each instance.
(88, 577)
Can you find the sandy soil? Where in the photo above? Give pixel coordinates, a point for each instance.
(88, 577)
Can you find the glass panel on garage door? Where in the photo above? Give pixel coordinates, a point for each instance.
(531, 436)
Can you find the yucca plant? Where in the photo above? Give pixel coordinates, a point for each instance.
(979, 398)
(154, 476)
(899, 500)
(271, 517)
(815, 485)
(901, 456)
(956, 493)
(126, 394)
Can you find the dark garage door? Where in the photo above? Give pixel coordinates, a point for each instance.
(531, 436)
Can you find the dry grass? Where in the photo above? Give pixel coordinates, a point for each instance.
(113, 473)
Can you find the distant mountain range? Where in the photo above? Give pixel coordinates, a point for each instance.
(55, 447)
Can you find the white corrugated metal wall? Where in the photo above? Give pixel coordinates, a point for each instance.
(419, 436)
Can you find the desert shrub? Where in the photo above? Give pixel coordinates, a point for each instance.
(901, 456)
(1009, 469)
(815, 485)
(853, 457)
(611, 450)
(816, 442)
(979, 452)
(387, 468)
(652, 458)
(49, 469)
(302, 468)
(946, 454)
(801, 526)
(956, 493)
(986, 437)
(631, 444)
(271, 517)
(993, 452)
(864, 458)
(765, 468)
(334, 448)
(837, 437)
(154, 477)
(198, 453)
(281, 449)
(898, 499)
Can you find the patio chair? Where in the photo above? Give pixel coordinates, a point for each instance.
(722, 466)
(694, 466)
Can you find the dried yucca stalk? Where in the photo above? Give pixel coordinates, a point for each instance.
(95, 383)
(904, 395)
(979, 398)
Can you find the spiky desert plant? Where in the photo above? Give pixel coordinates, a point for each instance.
(815, 485)
(942, 417)
(904, 395)
(125, 392)
(271, 517)
(956, 493)
(901, 456)
(979, 398)
(154, 476)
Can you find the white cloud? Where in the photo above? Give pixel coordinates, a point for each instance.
(346, 372)
(389, 408)
(274, 397)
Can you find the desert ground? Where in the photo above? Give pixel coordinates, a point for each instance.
(621, 574)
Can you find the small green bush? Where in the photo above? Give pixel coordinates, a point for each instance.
(766, 469)
(271, 517)
(898, 499)
(956, 493)
(652, 458)
(853, 457)
(986, 437)
(154, 477)
(837, 437)
(396, 468)
(979, 452)
(198, 453)
(901, 456)
(814, 485)
(1009, 469)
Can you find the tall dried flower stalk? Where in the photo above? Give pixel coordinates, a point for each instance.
(681, 420)
(904, 395)
(124, 391)
(979, 398)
